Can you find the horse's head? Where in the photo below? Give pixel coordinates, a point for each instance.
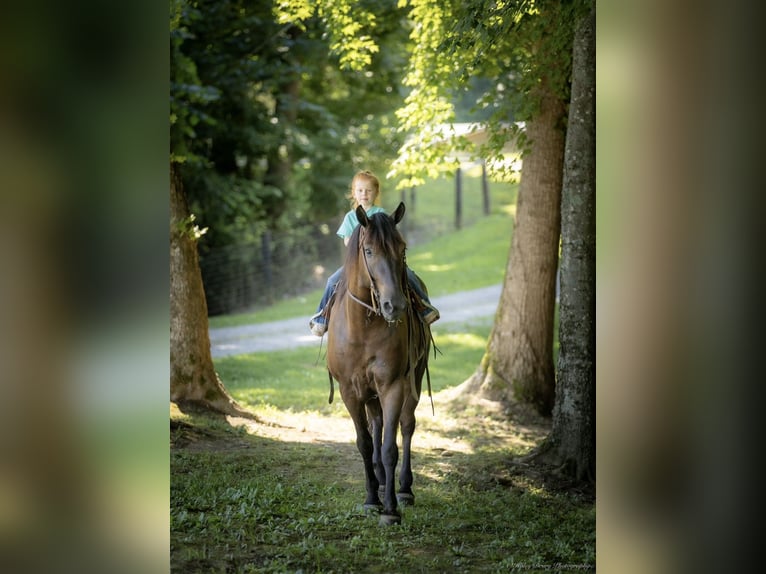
(378, 248)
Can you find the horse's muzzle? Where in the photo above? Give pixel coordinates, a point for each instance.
(392, 309)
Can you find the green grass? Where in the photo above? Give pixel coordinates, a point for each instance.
(433, 212)
(469, 259)
(284, 510)
(451, 261)
(296, 380)
(247, 501)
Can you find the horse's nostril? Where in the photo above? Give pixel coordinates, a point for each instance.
(387, 306)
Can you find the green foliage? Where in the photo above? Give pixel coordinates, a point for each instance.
(349, 25)
(271, 125)
(188, 97)
(190, 228)
(515, 47)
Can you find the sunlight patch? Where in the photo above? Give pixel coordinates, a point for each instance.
(437, 268)
(421, 256)
(469, 340)
(509, 209)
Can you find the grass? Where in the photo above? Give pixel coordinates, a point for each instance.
(284, 495)
(296, 380)
(248, 501)
(469, 259)
(261, 511)
(432, 214)
(448, 261)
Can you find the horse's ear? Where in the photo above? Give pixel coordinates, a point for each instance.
(361, 215)
(399, 213)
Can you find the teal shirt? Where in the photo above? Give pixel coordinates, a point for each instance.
(350, 222)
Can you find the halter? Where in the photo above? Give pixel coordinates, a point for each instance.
(374, 294)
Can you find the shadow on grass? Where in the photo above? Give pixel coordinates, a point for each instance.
(245, 502)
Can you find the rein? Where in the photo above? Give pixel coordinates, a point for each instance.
(362, 303)
(374, 296)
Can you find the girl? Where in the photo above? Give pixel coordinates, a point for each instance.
(365, 189)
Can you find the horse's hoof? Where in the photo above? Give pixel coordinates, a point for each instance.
(389, 519)
(405, 499)
(372, 508)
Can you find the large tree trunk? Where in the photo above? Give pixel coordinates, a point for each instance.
(571, 446)
(518, 363)
(193, 379)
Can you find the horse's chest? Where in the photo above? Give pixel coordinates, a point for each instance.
(366, 364)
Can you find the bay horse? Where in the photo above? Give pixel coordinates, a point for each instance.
(377, 350)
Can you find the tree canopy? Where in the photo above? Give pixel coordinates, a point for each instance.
(496, 53)
(273, 106)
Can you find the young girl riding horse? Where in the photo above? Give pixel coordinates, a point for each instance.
(365, 190)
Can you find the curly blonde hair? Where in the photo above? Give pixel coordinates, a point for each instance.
(369, 176)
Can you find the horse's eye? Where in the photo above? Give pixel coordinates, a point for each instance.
(367, 251)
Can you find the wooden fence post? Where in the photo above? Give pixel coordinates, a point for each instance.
(484, 187)
(266, 262)
(458, 198)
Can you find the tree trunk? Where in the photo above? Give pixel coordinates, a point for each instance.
(518, 363)
(193, 380)
(571, 446)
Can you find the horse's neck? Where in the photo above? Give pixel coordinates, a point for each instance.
(360, 292)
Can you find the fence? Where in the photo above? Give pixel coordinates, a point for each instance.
(243, 276)
(278, 265)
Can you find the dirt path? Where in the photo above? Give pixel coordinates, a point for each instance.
(444, 443)
(464, 307)
(461, 423)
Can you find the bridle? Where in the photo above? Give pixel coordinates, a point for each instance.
(374, 309)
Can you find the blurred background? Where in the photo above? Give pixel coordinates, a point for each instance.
(84, 279)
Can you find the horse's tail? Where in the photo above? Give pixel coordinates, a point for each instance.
(332, 387)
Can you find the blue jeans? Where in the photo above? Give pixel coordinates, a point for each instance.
(333, 279)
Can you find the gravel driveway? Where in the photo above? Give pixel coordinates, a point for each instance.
(464, 307)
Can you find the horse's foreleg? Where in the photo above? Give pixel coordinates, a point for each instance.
(392, 406)
(405, 496)
(375, 415)
(365, 446)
